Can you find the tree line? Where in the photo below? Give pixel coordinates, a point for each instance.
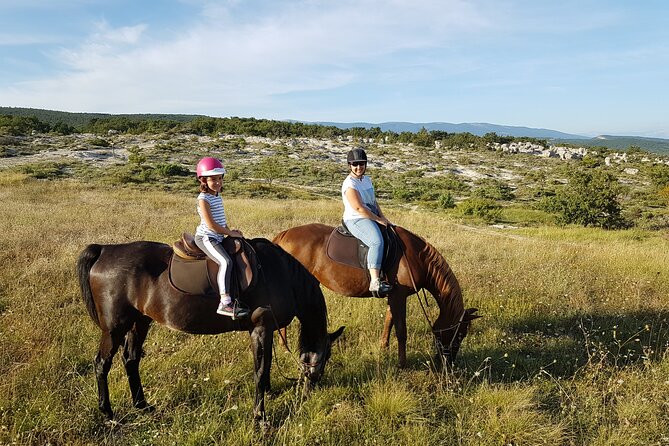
(201, 125)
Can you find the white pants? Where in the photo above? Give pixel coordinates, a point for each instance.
(214, 249)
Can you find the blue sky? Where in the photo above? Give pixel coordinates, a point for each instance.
(587, 67)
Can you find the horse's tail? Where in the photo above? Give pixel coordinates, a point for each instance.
(87, 258)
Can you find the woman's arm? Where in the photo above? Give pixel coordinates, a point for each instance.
(382, 215)
(209, 220)
(353, 197)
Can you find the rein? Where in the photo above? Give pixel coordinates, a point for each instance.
(285, 342)
(422, 298)
(300, 364)
(276, 323)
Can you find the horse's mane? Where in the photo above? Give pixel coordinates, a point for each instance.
(439, 276)
(307, 291)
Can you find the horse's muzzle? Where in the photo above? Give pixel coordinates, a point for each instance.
(312, 371)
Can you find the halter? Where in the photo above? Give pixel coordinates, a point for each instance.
(313, 364)
(455, 326)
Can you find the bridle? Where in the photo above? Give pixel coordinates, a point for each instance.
(456, 326)
(306, 364)
(303, 366)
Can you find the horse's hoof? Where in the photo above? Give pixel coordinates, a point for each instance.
(107, 413)
(144, 406)
(264, 428)
(113, 424)
(261, 424)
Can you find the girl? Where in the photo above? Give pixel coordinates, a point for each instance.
(361, 215)
(213, 229)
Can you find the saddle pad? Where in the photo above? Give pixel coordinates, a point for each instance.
(344, 249)
(197, 277)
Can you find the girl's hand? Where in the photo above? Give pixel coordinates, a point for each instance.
(236, 233)
(384, 221)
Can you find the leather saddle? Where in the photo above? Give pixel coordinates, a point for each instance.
(191, 271)
(344, 247)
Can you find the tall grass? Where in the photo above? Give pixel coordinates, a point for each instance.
(572, 348)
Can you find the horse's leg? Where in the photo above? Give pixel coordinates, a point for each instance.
(398, 310)
(109, 344)
(387, 327)
(261, 339)
(132, 354)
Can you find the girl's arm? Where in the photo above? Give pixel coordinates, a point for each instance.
(353, 197)
(209, 220)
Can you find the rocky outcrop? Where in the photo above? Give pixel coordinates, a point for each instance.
(561, 152)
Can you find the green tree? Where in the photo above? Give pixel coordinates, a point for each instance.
(136, 157)
(659, 175)
(271, 168)
(590, 199)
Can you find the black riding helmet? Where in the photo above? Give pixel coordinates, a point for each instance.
(356, 155)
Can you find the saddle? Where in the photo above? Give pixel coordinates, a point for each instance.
(191, 271)
(344, 247)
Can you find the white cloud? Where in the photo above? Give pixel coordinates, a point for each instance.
(225, 62)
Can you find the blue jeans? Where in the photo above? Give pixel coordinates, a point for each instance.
(368, 232)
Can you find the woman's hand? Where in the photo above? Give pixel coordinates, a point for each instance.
(235, 233)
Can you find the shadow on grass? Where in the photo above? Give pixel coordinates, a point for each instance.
(562, 345)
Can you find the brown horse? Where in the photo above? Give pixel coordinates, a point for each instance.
(126, 287)
(421, 266)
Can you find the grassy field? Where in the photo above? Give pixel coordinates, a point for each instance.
(572, 350)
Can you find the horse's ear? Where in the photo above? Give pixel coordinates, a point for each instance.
(336, 334)
(469, 315)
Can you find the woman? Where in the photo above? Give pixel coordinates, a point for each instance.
(361, 215)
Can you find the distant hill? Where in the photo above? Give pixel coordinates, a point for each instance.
(476, 128)
(655, 145)
(79, 120)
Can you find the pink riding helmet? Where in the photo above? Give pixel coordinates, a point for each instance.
(208, 167)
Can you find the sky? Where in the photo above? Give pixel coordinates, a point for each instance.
(586, 67)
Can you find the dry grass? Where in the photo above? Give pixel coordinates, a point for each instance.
(572, 348)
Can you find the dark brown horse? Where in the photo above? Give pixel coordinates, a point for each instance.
(126, 287)
(421, 266)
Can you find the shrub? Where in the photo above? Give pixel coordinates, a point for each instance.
(483, 208)
(44, 171)
(590, 199)
(446, 201)
(664, 194)
(135, 156)
(170, 170)
(494, 190)
(659, 175)
(99, 142)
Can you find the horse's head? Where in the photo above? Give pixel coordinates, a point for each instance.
(449, 339)
(313, 363)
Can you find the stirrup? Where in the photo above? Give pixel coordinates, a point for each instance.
(239, 312)
(382, 290)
